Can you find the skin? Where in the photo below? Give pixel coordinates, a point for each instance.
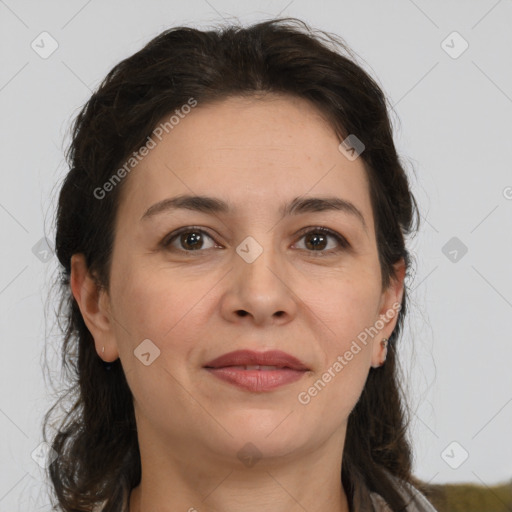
(256, 153)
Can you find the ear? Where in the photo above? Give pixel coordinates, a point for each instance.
(94, 304)
(390, 304)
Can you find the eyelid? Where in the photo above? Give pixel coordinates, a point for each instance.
(343, 244)
(185, 229)
(342, 241)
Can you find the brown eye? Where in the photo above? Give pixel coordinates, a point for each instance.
(188, 240)
(317, 240)
(192, 239)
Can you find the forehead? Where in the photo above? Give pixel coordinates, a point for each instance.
(270, 128)
(251, 151)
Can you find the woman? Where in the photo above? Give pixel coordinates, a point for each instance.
(231, 233)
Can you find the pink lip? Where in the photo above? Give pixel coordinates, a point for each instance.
(226, 367)
(257, 380)
(249, 357)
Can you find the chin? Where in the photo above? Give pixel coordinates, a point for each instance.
(266, 430)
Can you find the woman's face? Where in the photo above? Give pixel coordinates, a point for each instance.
(248, 278)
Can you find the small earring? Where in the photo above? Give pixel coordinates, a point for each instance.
(102, 350)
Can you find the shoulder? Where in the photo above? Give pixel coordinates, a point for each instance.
(417, 502)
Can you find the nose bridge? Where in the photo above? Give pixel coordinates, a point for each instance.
(257, 259)
(261, 288)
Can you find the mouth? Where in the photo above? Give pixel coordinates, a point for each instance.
(256, 378)
(272, 359)
(257, 371)
(255, 367)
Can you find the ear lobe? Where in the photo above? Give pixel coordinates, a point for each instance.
(379, 357)
(94, 306)
(391, 303)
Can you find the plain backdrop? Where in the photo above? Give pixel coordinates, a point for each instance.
(446, 68)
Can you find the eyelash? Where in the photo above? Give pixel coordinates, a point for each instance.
(166, 242)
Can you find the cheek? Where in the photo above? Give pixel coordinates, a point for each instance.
(333, 391)
(170, 313)
(174, 312)
(332, 396)
(155, 307)
(345, 310)
(346, 306)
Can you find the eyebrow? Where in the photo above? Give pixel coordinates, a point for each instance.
(213, 205)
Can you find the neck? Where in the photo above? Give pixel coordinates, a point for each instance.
(190, 481)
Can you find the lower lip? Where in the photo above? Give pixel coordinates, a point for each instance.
(257, 380)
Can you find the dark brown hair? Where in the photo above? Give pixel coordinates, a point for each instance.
(96, 440)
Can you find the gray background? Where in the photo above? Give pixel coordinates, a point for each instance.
(452, 128)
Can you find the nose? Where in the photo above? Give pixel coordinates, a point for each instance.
(260, 290)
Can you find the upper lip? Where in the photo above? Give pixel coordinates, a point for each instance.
(248, 357)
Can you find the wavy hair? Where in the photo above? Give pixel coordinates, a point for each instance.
(98, 462)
